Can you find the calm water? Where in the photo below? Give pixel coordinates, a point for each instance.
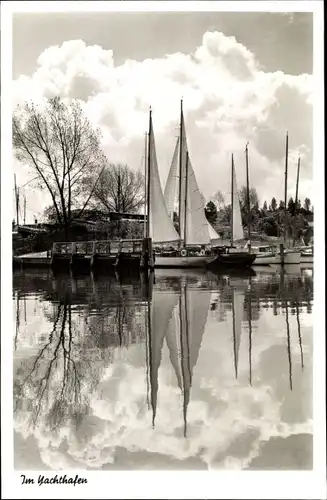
(190, 370)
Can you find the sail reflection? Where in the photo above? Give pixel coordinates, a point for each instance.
(180, 319)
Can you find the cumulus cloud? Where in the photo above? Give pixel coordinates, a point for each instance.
(228, 100)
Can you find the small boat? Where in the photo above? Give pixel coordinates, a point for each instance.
(269, 254)
(232, 256)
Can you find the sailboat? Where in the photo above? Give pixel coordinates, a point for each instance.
(182, 324)
(190, 246)
(270, 254)
(232, 256)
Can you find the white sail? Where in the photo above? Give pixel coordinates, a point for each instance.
(237, 309)
(213, 235)
(171, 188)
(197, 228)
(237, 228)
(161, 226)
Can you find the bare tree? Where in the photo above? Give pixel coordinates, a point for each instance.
(219, 199)
(61, 147)
(120, 189)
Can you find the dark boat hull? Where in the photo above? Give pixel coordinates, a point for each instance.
(237, 259)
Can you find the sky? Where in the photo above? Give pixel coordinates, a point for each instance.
(242, 76)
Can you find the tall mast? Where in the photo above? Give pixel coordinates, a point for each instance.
(180, 167)
(145, 180)
(185, 205)
(248, 194)
(296, 198)
(297, 182)
(148, 174)
(285, 193)
(232, 200)
(17, 201)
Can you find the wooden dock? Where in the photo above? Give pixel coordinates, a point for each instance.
(87, 256)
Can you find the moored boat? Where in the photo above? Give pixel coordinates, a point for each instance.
(228, 257)
(189, 247)
(269, 255)
(232, 256)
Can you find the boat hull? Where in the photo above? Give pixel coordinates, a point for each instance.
(266, 260)
(190, 261)
(289, 258)
(235, 259)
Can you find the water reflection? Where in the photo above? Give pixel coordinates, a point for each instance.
(214, 351)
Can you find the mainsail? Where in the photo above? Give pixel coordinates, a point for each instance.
(171, 189)
(197, 228)
(161, 226)
(237, 228)
(213, 235)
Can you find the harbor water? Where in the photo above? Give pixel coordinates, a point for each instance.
(176, 370)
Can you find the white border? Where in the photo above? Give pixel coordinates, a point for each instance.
(297, 485)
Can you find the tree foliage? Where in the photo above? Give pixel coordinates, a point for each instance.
(273, 204)
(254, 198)
(307, 204)
(58, 143)
(120, 189)
(211, 212)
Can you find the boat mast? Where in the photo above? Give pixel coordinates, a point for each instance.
(17, 201)
(285, 193)
(148, 174)
(248, 194)
(232, 200)
(185, 201)
(296, 195)
(145, 180)
(180, 167)
(297, 182)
